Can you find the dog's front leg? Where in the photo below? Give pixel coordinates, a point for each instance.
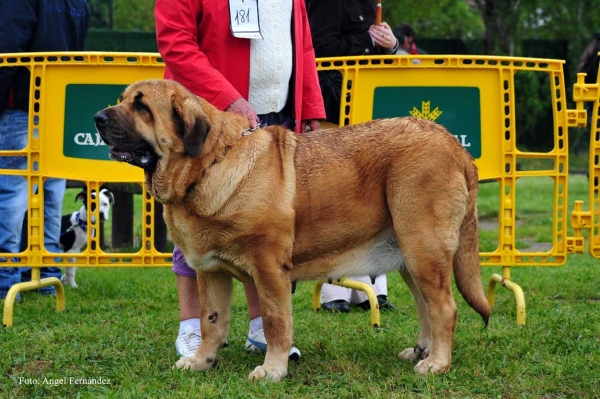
(69, 276)
(274, 292)
(216, 291)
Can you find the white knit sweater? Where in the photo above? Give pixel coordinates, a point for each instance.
(271, 58)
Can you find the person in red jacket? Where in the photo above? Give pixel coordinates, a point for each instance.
(256, 59)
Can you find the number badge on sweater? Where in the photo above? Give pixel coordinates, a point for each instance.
(243, 15)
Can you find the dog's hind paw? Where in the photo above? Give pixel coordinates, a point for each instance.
(412, 354)
(191, 363)
(428, 366)
(269, 374)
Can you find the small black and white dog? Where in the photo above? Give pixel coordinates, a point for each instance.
(73, 236)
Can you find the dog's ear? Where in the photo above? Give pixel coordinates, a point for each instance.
(190, 124)
(82, 196)
(109, 195)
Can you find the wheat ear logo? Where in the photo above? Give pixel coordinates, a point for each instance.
(425, 112)
(118, 102)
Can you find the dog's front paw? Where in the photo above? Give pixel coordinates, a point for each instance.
(68, 281)
(191, 363)
(412, 354)
(429, 366)
(267, 373)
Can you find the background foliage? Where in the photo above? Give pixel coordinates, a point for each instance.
(501, 23)
(126, 14)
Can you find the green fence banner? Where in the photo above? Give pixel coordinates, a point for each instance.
(456, 108)
(81, 139)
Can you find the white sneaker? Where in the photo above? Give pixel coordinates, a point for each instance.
(257, 342)
(187, 343)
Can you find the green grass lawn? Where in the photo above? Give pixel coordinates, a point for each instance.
(120, 326)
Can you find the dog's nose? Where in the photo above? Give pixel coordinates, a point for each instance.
(100, 118)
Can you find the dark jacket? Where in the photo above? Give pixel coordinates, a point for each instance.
(37, 26)
(588, 63)
(339, 27)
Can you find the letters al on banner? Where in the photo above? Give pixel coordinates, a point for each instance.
(456, 108)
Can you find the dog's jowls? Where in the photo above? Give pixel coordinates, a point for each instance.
(73, 236)
(274, 207)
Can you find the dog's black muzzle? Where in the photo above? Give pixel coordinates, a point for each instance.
(123, 147)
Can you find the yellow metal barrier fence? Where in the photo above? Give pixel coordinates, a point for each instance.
(66, 91)
(474, 97)
(581, 219)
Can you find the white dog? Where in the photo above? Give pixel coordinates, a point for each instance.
(73, 237)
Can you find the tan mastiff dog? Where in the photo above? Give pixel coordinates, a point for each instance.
(274, 207)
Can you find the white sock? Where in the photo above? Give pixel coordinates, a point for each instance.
(195, 323)
(256, 324)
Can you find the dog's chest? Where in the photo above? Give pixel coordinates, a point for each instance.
(203, 263)
(212, 262)
(196, 239)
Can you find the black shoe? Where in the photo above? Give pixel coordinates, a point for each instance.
(338, 305)
(366, 305)
(384, 304)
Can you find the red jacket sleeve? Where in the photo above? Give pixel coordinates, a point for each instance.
(312, 100)
(177, 30)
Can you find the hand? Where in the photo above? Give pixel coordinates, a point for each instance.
(243, 108)
(312, 124)
(383, 36)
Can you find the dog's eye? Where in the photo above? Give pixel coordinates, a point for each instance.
(138, 105)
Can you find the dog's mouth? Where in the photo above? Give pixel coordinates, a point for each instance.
(140, 154)
(137, 152)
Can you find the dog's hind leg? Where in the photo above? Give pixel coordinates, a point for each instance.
(428, 239)
(216, 292)
(427, 208)
(421, 349)
(431, 273)
(274, 292)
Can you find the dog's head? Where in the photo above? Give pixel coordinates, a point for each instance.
(162, 128)
(154, 120)
(105, 199)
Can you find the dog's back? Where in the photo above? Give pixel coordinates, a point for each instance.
(363, 172)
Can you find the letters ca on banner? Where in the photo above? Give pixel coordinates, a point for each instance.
(81, 139)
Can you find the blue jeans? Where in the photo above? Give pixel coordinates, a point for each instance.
(13, 203)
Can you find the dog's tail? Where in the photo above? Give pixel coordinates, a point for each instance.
(467, 272)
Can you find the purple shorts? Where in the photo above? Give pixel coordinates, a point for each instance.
(180, 267)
